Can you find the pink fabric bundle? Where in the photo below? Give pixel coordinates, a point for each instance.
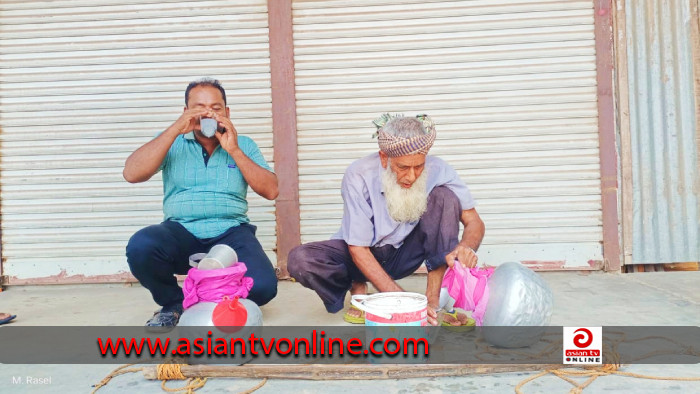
(469, 288)
(213, 285)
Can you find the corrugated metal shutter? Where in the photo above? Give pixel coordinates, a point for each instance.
(83, 84)
(662, 107)
(511, 85)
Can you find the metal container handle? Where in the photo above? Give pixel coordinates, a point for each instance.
(196, 258)
(357, 300)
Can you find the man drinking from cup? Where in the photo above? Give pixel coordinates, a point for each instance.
(207, 168)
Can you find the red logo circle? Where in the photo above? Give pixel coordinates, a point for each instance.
(584, 339)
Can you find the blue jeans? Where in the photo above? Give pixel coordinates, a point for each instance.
(156, 253)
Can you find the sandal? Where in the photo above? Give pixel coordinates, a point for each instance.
(6, 318)
(164, 320)
(459, 322)
(352, 319)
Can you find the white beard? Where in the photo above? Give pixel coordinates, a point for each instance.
(405, 205)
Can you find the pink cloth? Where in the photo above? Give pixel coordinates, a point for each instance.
(213, 285)
(469, 288)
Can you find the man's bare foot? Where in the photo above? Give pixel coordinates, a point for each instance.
(463, 318)
(358, 288)
(457, 319)
(6, 317)
(451, 320)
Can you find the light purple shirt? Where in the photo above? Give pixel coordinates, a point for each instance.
(366, 220)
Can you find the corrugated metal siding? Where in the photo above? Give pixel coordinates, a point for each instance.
(511, 85)
(83, 84)
(663, 130)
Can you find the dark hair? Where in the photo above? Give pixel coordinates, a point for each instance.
(205, 82)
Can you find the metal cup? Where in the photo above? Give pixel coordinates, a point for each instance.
(219, 256)
(208, 126)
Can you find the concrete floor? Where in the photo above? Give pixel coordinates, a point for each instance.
(591, 299)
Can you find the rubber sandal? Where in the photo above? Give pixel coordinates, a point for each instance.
(354, 319)
(469, 324)
(6, 318)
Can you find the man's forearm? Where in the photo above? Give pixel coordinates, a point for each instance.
(141, 165)
(260, 180)
(471, 239)
(473, 234)
(432, 291)
(369, 266)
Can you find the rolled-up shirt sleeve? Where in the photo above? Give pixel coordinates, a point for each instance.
(357, 226)
(251, 149)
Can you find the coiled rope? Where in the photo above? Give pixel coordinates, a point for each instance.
(172, 371)
(168, 372)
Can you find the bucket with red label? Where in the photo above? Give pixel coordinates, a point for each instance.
(393, 309)
(392, 320)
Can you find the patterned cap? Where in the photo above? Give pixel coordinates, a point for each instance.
(394, 146)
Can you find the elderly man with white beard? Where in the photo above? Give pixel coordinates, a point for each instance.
(402, 208)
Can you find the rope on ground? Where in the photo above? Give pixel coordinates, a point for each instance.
(251, 390)
(192, 385)
(172, 371)
(118, 371)
(593, 372)
(167, 372)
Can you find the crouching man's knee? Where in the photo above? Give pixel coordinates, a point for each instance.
(445, 198)
(144, 248)
(297, 261)
(263, 291)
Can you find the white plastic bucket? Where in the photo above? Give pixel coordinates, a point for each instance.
(393, 309)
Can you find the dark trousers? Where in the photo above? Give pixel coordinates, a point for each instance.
(327, 267)
(156, 253)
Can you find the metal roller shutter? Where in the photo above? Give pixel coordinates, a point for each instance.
(83, 84)
(511, 85)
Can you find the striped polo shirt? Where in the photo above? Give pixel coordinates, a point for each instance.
(207, 195)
